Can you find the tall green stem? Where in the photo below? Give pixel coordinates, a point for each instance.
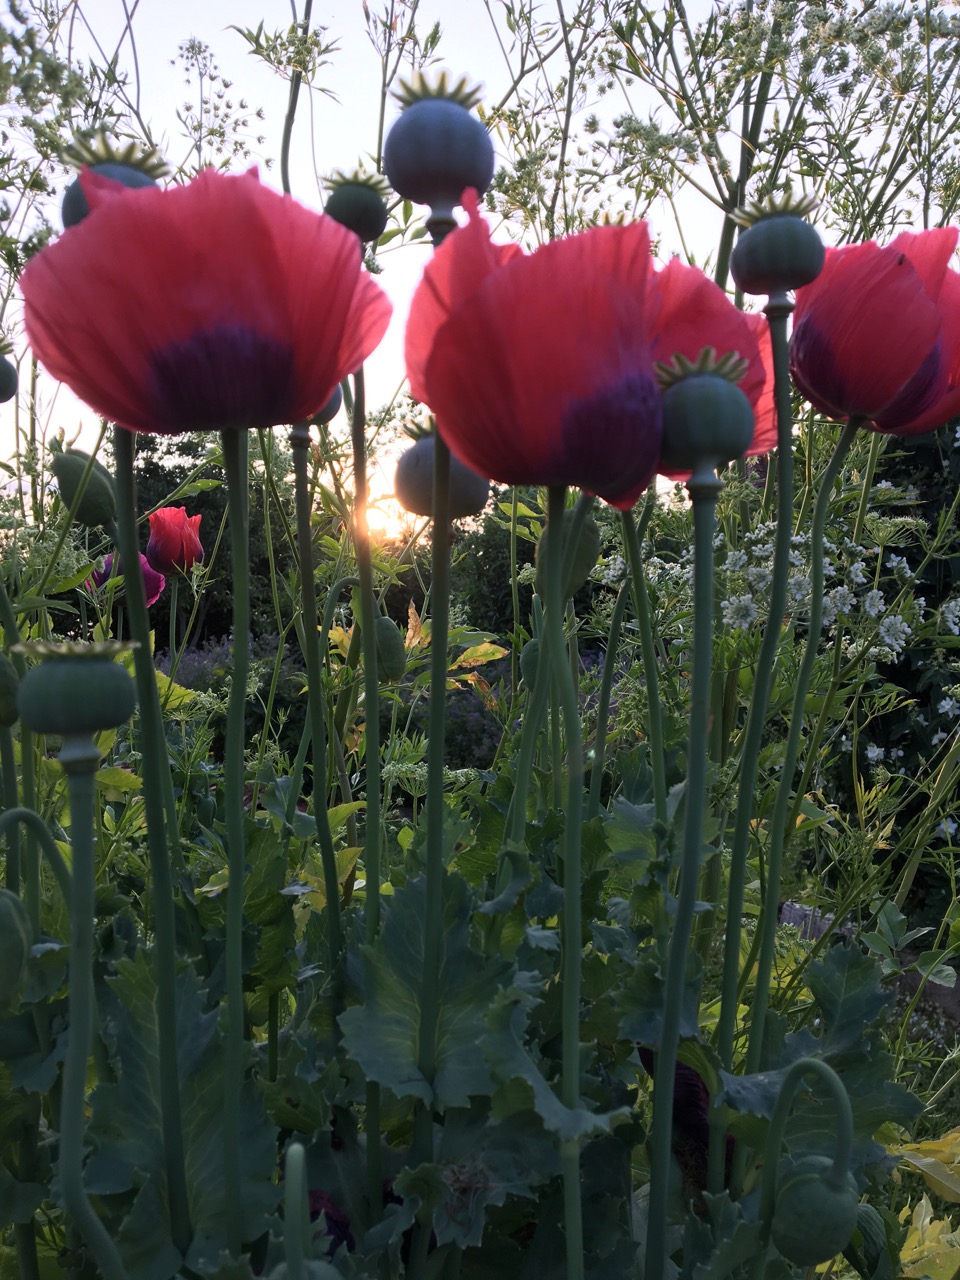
(704, 492)
(235, 446)
(603, 702)
(778, 310)
(316, 703)
(371, 701)
(641, 603)
(80, 758)
(555, 656)
(781, 809)
(162, 843)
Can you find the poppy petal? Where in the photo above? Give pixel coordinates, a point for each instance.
(215, 304)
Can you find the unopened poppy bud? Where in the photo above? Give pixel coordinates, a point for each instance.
(585, 556)
(98, 501)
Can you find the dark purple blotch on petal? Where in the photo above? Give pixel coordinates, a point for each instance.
(225, 378)
(610, 440)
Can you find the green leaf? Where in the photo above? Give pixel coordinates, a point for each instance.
(510, 1061)
(641, 1001)
(382, 1034)
(125, 1131)
(18, 1200)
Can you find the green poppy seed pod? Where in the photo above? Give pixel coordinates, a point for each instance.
(391, 652)
(437, 147)
(76, 696)
(99, 502)
(585, 557)
(9, 684)
(707, 422)
(816, 1211)
(777, 253)
(9, 380)
(360, 207)
(15, 938)
(75, 208)
(413, 483)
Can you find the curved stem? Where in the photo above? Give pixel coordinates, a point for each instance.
(8, 768)
(295, 81)
(781, 1114)
(163, 845)
(80, 759)
(33, 821)
(778, 822)
(704, 493)
(235, 445)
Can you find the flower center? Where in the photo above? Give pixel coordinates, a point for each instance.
(228, 377)
(611, 439)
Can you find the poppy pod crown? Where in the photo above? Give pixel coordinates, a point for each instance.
(215, 305)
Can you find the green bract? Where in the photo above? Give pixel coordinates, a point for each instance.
(779, 252)
(99, 502)
(816, 1211)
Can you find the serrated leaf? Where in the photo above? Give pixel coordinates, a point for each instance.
(125, 1132)
(382, 1034)
(510, 1061)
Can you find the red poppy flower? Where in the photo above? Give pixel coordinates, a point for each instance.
(218, 304)
(539, 367)
(693, 313)
(153, 582)
(877, 334)
(174, 544)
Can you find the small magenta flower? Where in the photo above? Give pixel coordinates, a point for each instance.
(153, 582)
(174, 544)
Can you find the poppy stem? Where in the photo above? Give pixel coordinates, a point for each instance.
(603, 703)
(555, 658)
(641, 602)
(235, 446)
(371, 701)
(781, 808)
(79, 760)
(163, 838)
(704, 493)
(316, 703)
(778, 310)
